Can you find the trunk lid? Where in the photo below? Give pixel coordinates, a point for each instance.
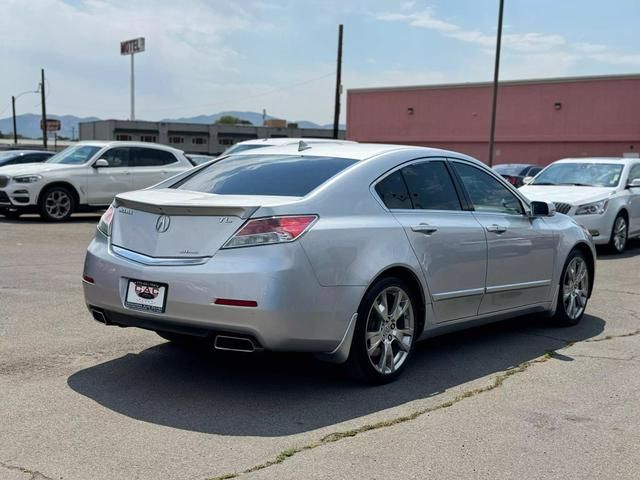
(175, 223)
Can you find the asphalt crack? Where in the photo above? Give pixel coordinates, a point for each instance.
(498, 381)
(337, 436)
(611, 337)
(35, 475)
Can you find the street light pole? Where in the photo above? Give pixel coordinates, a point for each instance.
(133, 88)
(15, 129)
(496, 71)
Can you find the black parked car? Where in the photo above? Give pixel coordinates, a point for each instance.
(515, 173)
(16, 157)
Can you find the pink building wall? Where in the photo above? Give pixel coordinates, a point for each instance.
(538, 121)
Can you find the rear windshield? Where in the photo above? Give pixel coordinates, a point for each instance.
(280, 175)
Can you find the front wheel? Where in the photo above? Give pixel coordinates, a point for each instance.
(574, 290)
(619, 234)
(385, 332)
(56, 204)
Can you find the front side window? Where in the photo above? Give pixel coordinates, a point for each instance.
(117, 157)
(76, 155)
(487, 193)
(634, 174)
(582, 174)
(280, 175)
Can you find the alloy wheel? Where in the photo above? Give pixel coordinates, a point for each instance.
(390, 330)
(575, 288)
(620, 233)
(57, 204)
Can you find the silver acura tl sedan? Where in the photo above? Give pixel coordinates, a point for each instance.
(353, 252)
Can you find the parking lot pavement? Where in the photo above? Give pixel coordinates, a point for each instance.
(80, 400)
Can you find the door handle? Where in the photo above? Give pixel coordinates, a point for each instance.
(496, 228)
(424, 228)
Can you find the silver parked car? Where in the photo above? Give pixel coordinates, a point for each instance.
(353, 252)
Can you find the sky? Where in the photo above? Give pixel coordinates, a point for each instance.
(205, 56)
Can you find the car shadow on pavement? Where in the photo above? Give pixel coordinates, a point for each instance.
(285, 394)
(632, 249)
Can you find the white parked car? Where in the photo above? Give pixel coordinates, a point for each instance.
(279, 142)
(602, 194)
(85, 177)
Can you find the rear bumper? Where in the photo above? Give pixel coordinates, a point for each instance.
(294, 312)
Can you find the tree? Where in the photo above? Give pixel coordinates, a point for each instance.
(231, 120)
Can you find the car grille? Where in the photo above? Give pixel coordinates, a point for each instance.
(4, 198)
(4, 181)
(562, 207)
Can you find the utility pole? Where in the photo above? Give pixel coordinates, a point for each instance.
(336, 113)
(15, 129)
(496, 71)
(44, 110)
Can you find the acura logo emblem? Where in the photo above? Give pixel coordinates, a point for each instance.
(163, 222)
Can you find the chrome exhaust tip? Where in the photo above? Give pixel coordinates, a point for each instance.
(98, 316)
(234, 344)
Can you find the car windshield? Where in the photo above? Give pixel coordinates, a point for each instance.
(580, 174)
(280, 175)
(241, 148)
(76, 155)
(511, 169)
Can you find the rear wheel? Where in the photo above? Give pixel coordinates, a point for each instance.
(56, 204)
(574, 290)
(619, 234)
(385, 332)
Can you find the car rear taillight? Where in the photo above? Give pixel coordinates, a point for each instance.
(265, 231)
(104, 225)
(511, 180)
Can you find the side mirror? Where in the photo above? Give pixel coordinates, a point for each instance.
(635, 183)
(101, 163)
(542, 209)
(527, 180)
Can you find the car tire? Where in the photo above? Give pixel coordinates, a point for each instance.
(383, 342)
(619, 234)
(573, 291)
(56, 204)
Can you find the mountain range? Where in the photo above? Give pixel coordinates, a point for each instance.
(28, 124)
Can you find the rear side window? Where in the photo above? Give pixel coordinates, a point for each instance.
(431, 187)
(279, 175)
(421, 186)
(150, 157)
(393, 192)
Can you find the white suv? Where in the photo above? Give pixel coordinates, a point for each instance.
(601, 194)
(85, 177)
